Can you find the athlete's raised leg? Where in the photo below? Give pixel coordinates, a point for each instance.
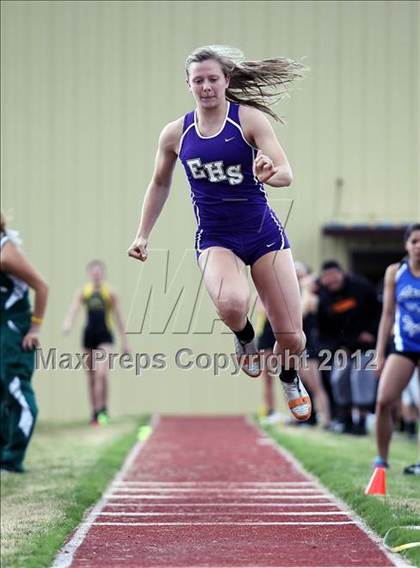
(276, 282)
(394, 378)
(275, 279)
(226, 280)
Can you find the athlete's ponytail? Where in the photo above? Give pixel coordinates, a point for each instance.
(260, 84)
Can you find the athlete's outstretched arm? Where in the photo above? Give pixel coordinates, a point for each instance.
(117, 315)
(13, 262)
(159, 187)
(72, 313)
(387, 317)
(271, 165)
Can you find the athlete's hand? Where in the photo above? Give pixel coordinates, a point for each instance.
(264, 168)
(31, 339)
(138, 249)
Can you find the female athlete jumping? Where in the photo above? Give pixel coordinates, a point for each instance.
(229, 150)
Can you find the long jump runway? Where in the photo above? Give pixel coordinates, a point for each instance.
(216, 492)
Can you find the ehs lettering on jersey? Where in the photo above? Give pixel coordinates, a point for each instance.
(215, 171)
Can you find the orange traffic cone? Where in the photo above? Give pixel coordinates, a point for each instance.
(377, 483)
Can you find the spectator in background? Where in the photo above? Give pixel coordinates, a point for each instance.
(19, 337)
(348, 314)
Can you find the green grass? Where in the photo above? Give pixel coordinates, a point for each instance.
(342, 463)
(68, 468)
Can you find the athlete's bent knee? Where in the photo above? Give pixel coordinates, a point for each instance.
(233, 310)
(293, 343)
(384, 405)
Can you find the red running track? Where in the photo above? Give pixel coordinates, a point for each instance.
(215, 492)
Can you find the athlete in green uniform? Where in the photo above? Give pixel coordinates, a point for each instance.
(19, 336)
(100, 302)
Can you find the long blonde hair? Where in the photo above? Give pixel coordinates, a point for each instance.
(259, 84)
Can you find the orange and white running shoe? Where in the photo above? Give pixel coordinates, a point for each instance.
(248, 358)
(297, 399)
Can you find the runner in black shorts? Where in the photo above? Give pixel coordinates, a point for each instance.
(100, 301)
(400, 314)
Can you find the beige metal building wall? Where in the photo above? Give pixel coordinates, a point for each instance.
(86, 88)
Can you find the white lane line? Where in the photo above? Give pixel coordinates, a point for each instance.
(247, 524)
(65, 556)
(257, 497)
(267, 492)
(234, 504)
(260, 514)
(394, 558)
(216, 483)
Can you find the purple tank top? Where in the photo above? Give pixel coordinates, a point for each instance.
(226, 195)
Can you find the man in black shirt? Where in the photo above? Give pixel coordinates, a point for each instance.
(348, 315)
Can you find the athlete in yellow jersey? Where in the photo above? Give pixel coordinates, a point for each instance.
(99, 302)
